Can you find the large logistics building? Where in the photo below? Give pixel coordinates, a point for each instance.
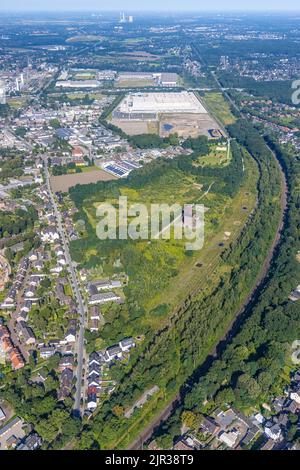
(77, 84)
(149, 105)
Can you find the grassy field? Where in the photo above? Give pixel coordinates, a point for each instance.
(17, 102)
(218, 156)
(219, 107)
(80, 96)
(161, 272)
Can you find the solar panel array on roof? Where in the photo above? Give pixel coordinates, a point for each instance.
(132, 164)
(126, 166)
(118, 171)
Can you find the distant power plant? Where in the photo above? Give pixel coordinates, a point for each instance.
(125, 19)
(2, 92)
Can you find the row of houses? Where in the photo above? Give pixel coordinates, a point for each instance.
(66, 368)
(228, 428)
(96, 318)
(9, 349)
(95, 372)
(11, 298)
(30, 297)
(100, 292)
(94, 375)
(103, 298)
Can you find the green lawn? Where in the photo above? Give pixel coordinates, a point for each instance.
(219, 107)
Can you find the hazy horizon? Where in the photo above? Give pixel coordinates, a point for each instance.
(135, 6)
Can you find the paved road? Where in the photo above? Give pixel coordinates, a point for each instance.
(75, 286)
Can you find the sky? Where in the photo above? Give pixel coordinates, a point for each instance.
(147, 5)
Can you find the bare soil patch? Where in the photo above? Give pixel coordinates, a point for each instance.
(64, 182)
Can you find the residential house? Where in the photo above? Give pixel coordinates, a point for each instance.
(229, 438)
(273, 432)
(126, 344)
(95, 313)
(209, 426)
(31, 442)
(94, 325)
(49, 235)
(114, 352)
(6, 344)
(94, 358)
(47, 351)
(16, 359)
(104, 298)
(295, 295)
(92, 401)
(66, 384)
(66, 362)
(295, 395)
(26, 332)
(182, 445)
(70, 336)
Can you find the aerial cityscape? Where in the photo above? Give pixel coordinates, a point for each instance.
(149, 228)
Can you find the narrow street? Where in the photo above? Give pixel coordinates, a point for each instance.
(80, 350)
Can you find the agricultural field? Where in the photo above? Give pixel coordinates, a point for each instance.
(65, 182)
(219, 108)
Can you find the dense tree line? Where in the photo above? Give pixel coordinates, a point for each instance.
(277, 91)
(251, 368)
(13, 223)
(65, 169)
(149, 141)
(11, 164)
(4, 110)
(36, 402)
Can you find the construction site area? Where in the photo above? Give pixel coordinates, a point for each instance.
(165, 113)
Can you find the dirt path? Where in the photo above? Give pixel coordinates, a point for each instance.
(147, 433)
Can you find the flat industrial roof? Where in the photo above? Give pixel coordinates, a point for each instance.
(173, 102)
